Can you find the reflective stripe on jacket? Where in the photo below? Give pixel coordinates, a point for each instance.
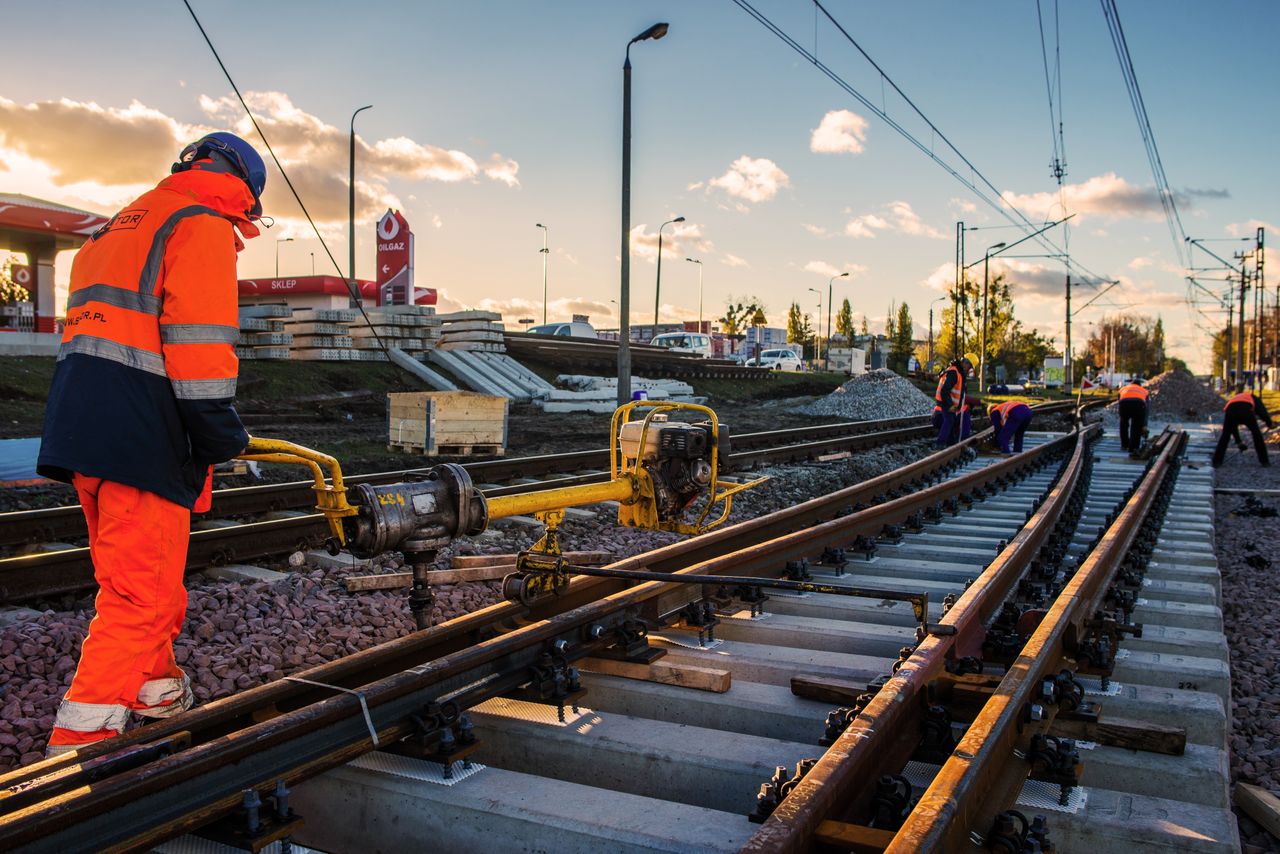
(1006, 408)
(142, 392)
(956, 392)
(1133, 391)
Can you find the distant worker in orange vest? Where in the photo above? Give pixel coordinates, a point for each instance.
(1133, 415)
(1010, 420)
(1243, 409)
(949, 399)
(139, 412)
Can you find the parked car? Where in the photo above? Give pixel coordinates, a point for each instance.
(575, 329)
(684, 342)
(778, 360)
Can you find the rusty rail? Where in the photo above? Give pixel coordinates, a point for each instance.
(886, 731)
(461, 661)
(987, 770)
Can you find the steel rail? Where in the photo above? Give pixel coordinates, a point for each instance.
(236, 711)
(55, 524)
(885, 733)
(986, 771)
(28, 577)
(159, 799)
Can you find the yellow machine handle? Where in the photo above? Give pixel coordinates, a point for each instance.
(331, 497)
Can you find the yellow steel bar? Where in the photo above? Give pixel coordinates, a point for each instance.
(621, 490)
(331, 498)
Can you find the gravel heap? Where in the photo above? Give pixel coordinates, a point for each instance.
(1179, 395)
(876, 394)
(240, 635)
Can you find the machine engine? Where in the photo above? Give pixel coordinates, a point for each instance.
(420, 515)
(677, 457)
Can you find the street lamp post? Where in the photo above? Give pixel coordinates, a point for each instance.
(545, 252)
(313, 263)
(818, 319)
(657, 31)
(982, 357)
(351, 215)
(699, 263)
(826, 362)
(657, 288)
(280, 240)
(931, 305)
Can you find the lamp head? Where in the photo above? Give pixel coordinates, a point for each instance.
(679, 218)
(655, 32)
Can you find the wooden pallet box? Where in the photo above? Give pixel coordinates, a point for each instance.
(447, 423)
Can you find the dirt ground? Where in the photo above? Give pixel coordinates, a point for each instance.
(340, 408)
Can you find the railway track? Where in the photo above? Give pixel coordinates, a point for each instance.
(652, 766)
(216, 540)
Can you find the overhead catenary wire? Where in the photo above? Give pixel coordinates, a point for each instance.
(280, 166)
(1167, 201)
(979, 184)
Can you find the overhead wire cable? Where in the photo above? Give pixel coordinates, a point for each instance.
(350, 284)
(979, 184)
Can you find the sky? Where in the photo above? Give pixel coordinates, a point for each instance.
(489, 117)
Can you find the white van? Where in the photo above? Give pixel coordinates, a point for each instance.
(684, 342)
(575, 329)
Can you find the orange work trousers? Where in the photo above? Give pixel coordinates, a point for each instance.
(138, 542)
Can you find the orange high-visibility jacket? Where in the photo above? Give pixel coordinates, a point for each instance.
(146, 374)
(1133, 391)
(1242, 397)
(951, 384)
(1003, 410)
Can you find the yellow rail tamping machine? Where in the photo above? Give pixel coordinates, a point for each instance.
(664, 475)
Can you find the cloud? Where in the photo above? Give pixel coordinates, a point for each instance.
(514, 309)
(733, 261)
(681, 237)
(896, 216)
(829, 270)
(963, 206)
(503, 169)
(82, 141)
(1140, 262)
(840, 131)
(1106, 195)
(815, 230)
(86, 148)
(1249, 228)
(752, 179)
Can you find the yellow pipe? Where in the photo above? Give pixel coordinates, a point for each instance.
(622, 490)
(331, 499)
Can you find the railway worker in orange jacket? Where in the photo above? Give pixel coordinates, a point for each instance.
(139, 411)
(1010, 420)
(1244, 409)
(1133, 415)
(949, 399)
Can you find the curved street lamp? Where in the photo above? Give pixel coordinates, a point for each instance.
(657, 289)
(826, 362)
(699, 263)
(655, 32)
(545, 231)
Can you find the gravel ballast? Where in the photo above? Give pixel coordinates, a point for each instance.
(876, 394)
(1177, 395)
(239, 635)
(1248, 527)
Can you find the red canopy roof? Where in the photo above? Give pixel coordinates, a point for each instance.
(37, 215)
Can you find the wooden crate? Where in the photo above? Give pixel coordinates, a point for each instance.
(453, 423)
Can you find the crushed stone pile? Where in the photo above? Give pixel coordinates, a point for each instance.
(876, 394)
(1178, 394)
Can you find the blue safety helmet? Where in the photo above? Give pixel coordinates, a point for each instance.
(238, 153)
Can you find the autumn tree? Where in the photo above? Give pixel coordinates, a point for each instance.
(900, 332)
(844, 321)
